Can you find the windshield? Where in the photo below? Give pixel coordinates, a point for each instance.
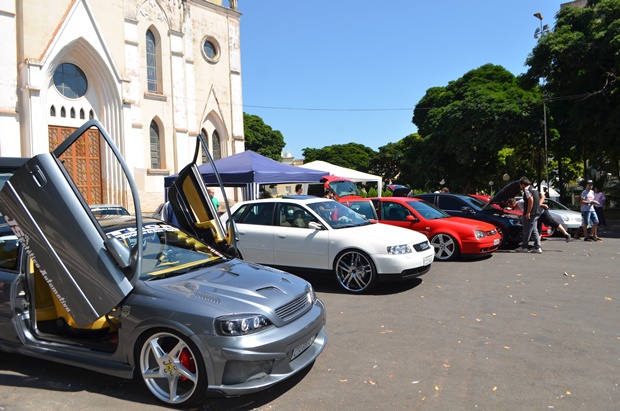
(345, 188)
(167, 249)
(476, 203)
(337, 215)
(427, 210)
(554, 205)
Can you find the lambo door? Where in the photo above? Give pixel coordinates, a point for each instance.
(88, 273)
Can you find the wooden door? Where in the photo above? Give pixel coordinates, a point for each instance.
(82, 160)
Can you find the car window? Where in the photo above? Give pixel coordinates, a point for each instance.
(337, 215)
(394, 211)
(9, 251)
(260, 213)
(450, 203)
(364, 208)
(427, 210)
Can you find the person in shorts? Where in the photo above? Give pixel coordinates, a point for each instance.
(588, 214)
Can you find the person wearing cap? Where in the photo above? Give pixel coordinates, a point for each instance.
(588, 214)
(531, 206)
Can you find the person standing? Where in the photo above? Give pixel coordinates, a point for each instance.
(588, 215)
(216, 202)
(599, 208)
(298, 189)
(531, 205)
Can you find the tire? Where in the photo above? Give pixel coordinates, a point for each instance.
(172, 368)
(503, 241)
(355, 272)
(446, 247)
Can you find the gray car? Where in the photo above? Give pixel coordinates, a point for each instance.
(128, 296)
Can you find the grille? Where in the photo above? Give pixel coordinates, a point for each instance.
(294, 308)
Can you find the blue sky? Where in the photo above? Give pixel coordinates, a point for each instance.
(335, 72)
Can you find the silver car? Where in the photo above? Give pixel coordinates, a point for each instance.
(128, 296)
(571, 220)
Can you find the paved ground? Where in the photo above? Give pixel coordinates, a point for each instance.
(510, 332)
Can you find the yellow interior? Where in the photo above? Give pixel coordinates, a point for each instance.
(48, 306)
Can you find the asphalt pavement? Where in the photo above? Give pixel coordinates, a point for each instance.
(509, 332)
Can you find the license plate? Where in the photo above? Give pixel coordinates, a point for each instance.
(496, 241)
(428, 259)
(297, 351)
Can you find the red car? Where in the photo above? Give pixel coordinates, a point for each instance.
(451, 236)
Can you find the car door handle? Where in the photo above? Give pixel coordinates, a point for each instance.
(282, 235)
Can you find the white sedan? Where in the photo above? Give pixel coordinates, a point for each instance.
(570, 219)
(306, 232)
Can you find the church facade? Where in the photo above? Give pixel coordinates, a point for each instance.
(155, 73)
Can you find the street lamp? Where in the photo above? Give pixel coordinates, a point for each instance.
(540, 32)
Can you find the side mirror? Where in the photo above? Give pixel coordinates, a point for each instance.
(118, 251)
(468, 210)
(315, 226)
(411, 218)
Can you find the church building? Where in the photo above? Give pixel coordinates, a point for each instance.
(155, 73)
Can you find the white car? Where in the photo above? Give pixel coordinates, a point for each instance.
(571, 220)
(307, 232)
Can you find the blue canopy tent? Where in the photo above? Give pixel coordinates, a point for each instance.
(249, 170)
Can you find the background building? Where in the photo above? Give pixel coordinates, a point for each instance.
(156, 73)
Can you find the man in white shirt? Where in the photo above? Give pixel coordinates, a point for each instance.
(588, 214)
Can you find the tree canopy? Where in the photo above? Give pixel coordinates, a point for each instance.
(351, 155)
(578, 66)
(261, 138)
(473, 131)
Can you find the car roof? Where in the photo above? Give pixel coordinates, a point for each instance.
(295, 199)
(12, 163)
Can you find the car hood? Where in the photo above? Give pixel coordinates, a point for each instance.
(466, 223)
(388, 234)
(502, 196)
(234, 286)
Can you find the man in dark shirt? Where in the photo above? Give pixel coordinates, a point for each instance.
(531, 204)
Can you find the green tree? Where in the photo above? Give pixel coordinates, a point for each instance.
(578, 64)
(261, 138)
(351, 155)
(466, 128)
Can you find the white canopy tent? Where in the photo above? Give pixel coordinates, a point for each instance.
(353, 175)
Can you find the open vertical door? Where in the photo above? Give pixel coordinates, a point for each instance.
(88, 273)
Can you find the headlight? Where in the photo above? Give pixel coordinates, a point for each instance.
(513, 221)
(399, 249)
(241, 324)
(564, 217)
(311, 295)
(479, 234)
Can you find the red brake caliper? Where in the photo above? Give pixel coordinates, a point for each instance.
(187, 361)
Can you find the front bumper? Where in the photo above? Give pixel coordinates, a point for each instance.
(243, 365)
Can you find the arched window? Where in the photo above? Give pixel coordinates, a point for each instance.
(151, 62)
(216, 151)
(155, 146)
(81, 114)
(63, 112)
(72, 112)
(205, 159)
(53, 111)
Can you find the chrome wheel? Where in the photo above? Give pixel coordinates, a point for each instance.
(446, 247)
(172, 368)
(355, 272)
